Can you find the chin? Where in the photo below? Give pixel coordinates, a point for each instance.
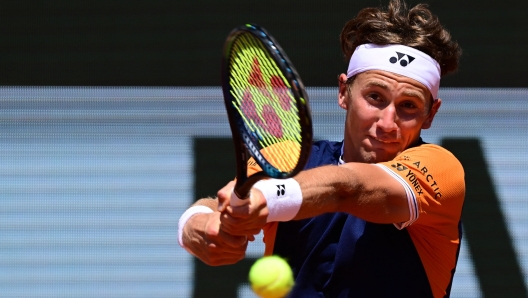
(369, 157)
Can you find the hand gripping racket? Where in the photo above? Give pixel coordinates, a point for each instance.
(267, 107)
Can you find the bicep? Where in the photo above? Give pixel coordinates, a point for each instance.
(373, 194)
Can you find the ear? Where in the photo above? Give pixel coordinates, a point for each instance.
(434, 109)
(343, 92)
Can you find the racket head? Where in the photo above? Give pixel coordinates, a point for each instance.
(267, 106)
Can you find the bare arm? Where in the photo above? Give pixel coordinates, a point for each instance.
(363, 190)
(211, 203)
(202, 236)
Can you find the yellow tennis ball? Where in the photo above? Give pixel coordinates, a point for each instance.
(271, 277)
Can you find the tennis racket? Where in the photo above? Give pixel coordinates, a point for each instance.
(267, 107)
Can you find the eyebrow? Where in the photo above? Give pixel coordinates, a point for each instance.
(410, 93)
(414, 94)
(377, 84)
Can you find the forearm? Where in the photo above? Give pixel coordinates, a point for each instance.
(363, 190)
(207, 202)
(323, 190)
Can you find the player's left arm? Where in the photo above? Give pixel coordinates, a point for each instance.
(363, 190)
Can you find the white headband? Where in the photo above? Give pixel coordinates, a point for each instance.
(399, 59)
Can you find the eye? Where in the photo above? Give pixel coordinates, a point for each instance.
(409, 105)
(374, 96)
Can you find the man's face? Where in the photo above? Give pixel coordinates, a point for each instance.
(385, 115)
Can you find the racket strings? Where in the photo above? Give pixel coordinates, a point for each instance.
(284, 155)
(265, 102)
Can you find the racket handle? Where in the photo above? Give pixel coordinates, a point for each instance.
(235, 201)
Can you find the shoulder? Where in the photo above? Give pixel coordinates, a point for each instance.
(432, 172)
(432, 156)
(429, 160)
(430, 150)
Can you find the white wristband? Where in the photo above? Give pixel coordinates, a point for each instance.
(283, 196)
(185, 217)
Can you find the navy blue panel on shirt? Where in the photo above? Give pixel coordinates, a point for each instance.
(339, 255)
(324, 153)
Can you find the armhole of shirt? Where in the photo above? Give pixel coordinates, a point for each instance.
(412, 201)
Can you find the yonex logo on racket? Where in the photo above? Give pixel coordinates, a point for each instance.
(251, 147)
(281, 190)
(403, 62)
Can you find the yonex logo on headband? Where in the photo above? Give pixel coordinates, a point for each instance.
(370, 56)
(403, 62)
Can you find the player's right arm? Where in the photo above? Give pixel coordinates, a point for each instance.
(201, 232)
(201, 235)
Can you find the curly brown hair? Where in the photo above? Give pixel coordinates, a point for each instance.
(416, 27)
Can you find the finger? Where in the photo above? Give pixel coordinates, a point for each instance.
(224, 195)
(218, 255)
(240, 226)
(234, 241)
(242, 211)
(241, 230)
(239, 212)
(223, 245)
(235, 226)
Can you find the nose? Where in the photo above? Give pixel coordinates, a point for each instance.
(387, 118)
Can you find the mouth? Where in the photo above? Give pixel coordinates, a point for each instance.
(385, 141)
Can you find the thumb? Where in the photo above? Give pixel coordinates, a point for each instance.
(224, 196)
(222, 204)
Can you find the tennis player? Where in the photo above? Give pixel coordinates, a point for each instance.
(378, 214)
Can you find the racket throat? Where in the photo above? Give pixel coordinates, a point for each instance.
(253, 150)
